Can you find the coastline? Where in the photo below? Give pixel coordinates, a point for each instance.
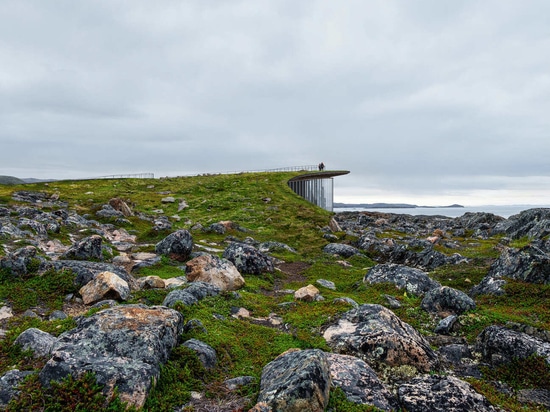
(504, 211)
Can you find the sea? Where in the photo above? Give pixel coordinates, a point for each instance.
(499, 210)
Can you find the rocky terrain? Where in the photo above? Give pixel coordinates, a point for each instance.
(113, 301)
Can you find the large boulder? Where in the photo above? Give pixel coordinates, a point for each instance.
(441, 394)
(248, 259)
(530, 264)
(376, 335)
(414, 281)
(88, 248)
(427, 259)
(359, 382)
(214, 270)
(177, 245)
(447, 299)
(498, 345)
(41, 343)
(104, 286)
(124, 346)
(297, 380)
(534, 223)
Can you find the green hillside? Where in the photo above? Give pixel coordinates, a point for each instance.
(10, 180)
(266, 208)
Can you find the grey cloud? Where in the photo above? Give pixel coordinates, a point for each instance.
(415, 98)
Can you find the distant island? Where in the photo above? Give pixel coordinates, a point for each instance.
(389, 206)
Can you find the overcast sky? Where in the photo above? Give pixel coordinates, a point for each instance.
(426, 102)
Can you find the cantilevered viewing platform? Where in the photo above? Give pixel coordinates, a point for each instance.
(317, 187)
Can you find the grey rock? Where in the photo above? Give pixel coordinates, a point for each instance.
(108, 211)
(238, 382)
(86, 271)
(341, 249)
(539, 397)
(447, 299)
(57, 315)
(376, 335)
(248, 259)
(393, 303)
(194, 325)
(346, 300)
(533, 223)
(359, 382)
(489, 285)
(326, 284)
(218, 228)
(498, 345)
(181, 296)
(124, 346)
(296, 381)
(414, 281)
(162, 223)
(445, 325)
(19, 262)
(201, 290)
(86, 249)
(9, 383)
(206, 354)
(441, 394)
(530, 264)
(177, 245)
(275, 247)
(194, 292)
(41, 343)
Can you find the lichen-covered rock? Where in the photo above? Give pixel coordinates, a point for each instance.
(359, 382)
(414, 281)
(376, 335)
(206, 353)
(214, 270)
(41, 343)
(124, 346)
(106, 285)
(177, 245)
(9, 383)
(447, 299)
(296, 381)
(19, 262)
(530, 264)
(534, 223)
(489, 285)
(498, 345)
(441, 394)
(341, 249)
(248, 259)
(427, 259)
(181, 296)
(194, 292)
(85, 249)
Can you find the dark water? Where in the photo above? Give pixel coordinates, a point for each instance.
(504, 211)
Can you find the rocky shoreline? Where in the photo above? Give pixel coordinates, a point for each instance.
(376, 358)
